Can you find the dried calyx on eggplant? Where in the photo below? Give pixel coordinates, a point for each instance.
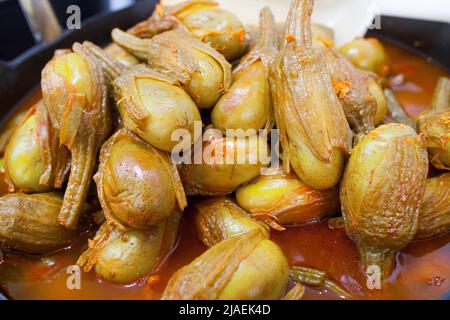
(151, 104)
(284, 200)
(217, 219)
(434, 215)
(382, 192)
(29, 223)
(248, 103)
(34, 161)
(314, 132)
(138, 185)
(352, 87)
(246, 267)
(435, 126)
(125, 256)
(76, 96)
(203, 72)
(228, 162)
(205, 20)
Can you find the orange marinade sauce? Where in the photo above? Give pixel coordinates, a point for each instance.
(422, 269)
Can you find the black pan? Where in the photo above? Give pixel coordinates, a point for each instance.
(430, 40)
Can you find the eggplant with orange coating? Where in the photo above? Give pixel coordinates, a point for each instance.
(76, 97)
(138, 185)
(203, 72)
(315, 135)
(382, 193)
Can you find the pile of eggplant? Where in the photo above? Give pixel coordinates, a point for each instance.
(94, 153)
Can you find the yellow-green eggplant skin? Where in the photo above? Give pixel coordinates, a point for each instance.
(216, 26)
(221, 174)
(125, 256)
(367, 54)
(23, 158)
(137, 184)
(382, 192)
(29, 223)
(247, 105)
(247, 267)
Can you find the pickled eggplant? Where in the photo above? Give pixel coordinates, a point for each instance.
(29, 223)
(247, 267)
(138, 186)
(125, 256)
(205, 20)
(34, 161)
(434, 215)
(248, 104)
(76, 96)
(284, 200)
(203, 72)
(367, 54)
(217, 219)
(314, 133)
(220, 175)
(382, 192)
(153, 106)
(435, 126)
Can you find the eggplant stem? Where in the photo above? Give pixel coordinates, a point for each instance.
(111, 67)
(136, 46)
(83, 161)
(298, 25)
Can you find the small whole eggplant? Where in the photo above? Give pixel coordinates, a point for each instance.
(246, 267)
(76, 96)
(284, 200)
(153, 106)
(435, 126)
(434, 216)
(219, 174)
(314, 132)
(29, 223)
(248, 103)
(34, 161)
(367, 54)
(203, 72)
(125, 256)
(382, 192)
(138, 186)
(205, 20)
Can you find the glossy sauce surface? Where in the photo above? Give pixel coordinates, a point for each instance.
(422, 269)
